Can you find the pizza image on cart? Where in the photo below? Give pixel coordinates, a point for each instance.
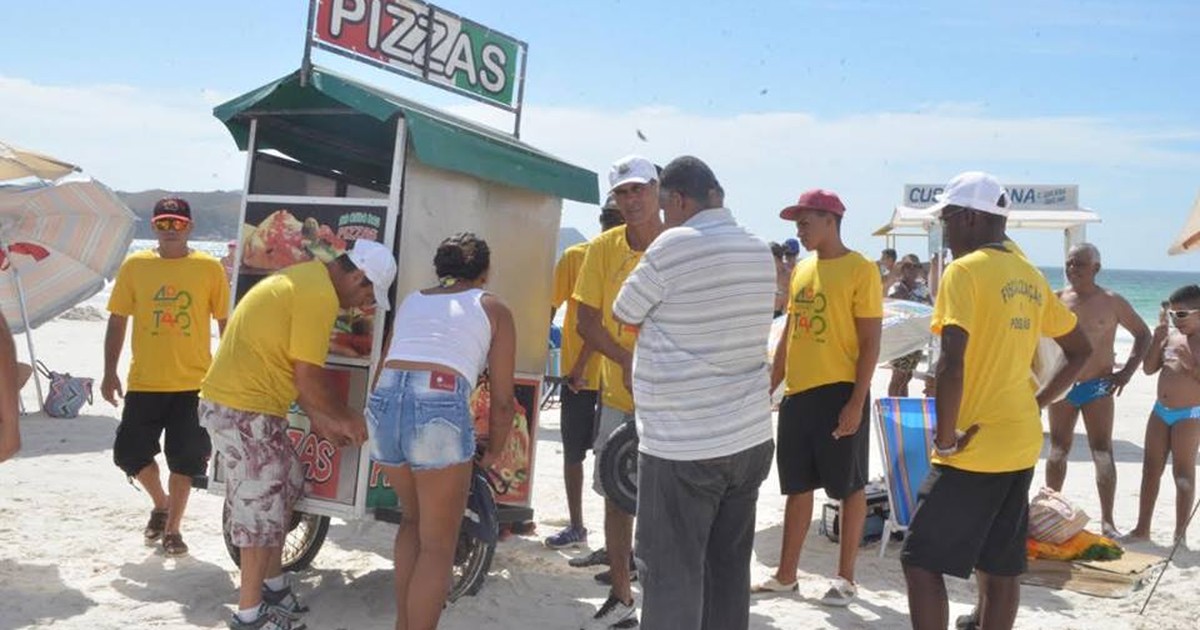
(282, 240)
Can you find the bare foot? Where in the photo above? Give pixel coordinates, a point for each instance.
(1136, 535)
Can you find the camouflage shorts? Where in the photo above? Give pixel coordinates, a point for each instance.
(262, 473)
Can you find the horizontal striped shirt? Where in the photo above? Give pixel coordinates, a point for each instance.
(703, 295)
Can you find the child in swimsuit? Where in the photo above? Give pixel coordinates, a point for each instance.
(1174, 425)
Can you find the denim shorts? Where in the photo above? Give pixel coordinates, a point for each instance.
(420, 419)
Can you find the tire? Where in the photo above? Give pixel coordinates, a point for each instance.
(619, 466)
(472, 561)
(476, 540)
(304, 539)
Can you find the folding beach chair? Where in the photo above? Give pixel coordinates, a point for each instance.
(905, 429)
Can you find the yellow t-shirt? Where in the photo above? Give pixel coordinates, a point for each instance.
(607, 263)
(173, 302)
(286, 317)
(825, 298)
(566, 274)
(1004, 304)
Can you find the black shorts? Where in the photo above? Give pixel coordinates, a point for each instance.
(145, 417)
(970, 520)
(808, 456)
(578, 423)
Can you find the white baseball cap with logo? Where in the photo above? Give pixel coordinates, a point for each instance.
(631, 169)
(975, 190)
(378, 264)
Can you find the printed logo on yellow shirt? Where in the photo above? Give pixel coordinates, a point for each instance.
(172, 312)
(809, 308)
(1021, 288)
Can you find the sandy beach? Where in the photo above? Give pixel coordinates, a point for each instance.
(72, 556)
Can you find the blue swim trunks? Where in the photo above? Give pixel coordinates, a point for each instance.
(1087, 391)
(1171, 416)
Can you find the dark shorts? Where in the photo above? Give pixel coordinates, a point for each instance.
(578, 423)
(146, 416)
(970, 520)
(808, 456)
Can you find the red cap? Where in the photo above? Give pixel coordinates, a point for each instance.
(815, 199)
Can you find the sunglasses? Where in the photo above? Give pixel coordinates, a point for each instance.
(170, 224)
(1184, 313)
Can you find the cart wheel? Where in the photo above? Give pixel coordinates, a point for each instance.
(304, 540)
(619, 467)
(476, 538)
(472, 561)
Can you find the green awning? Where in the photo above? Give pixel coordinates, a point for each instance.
(341, 125)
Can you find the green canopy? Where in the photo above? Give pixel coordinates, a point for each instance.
(341, 125)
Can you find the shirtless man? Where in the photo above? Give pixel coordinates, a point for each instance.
(1100, 311)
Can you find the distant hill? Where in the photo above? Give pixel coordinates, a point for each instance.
(216, 212)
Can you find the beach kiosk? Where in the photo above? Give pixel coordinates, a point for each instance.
(331, 160)
(1034, 206)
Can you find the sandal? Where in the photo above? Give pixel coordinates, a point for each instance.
(156, 525)
(173, 545)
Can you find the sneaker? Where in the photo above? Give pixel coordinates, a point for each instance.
(173, 545)
(613, 613)
(284, 601)
(597, 557)
(268, 619)
(156, 525)
(841, 592)
(605, 577)
(570, 536)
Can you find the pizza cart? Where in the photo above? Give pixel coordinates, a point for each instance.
(331, 160)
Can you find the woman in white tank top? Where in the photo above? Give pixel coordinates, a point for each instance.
(422, 433)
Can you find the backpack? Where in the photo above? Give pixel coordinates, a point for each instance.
(66, 394)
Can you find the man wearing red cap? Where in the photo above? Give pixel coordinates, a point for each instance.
(827, 356)
(172, 293)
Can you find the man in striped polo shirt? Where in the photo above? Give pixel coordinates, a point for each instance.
(702, 296)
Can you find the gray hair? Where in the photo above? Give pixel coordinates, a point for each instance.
(1087, 248)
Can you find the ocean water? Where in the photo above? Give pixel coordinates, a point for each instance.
(1145, 290)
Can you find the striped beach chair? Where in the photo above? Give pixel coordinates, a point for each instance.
(905, 430)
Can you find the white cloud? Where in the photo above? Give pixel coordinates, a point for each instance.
(134, 139)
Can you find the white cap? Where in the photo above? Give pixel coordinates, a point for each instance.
(631, 169)
(975, 190)
(379, 265)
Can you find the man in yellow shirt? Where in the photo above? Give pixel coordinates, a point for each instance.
(972, 510)
(272, 354)
(827, 356)
(172, 293)
(609, 260)
(580, 394)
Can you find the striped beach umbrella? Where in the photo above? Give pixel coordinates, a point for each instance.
(18, 163)
(59, 243)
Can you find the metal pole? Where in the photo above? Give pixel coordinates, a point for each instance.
(37, 382)
(429, 17)
(306, 62)
(521, 92)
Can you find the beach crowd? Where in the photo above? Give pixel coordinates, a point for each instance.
(667, 318)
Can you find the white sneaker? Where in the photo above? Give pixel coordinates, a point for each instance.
(841, 592)
(614, 613)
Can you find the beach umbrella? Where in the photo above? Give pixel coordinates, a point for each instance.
(59, 243)
(19, 163)
(1189, 238)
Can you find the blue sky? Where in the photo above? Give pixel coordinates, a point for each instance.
(861, 97)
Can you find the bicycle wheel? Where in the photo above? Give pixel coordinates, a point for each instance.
(477, 537)
(619, 466)
(304, 539)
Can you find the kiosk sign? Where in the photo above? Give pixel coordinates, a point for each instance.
(461, 55)
(1021, 196)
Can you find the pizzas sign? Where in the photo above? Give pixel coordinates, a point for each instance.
(426, 42)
